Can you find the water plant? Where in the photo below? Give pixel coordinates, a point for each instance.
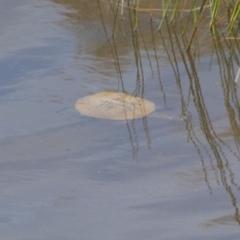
(224, 14)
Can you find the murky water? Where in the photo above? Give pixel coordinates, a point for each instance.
(171, 175)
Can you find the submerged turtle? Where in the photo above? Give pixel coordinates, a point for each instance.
(114, 105)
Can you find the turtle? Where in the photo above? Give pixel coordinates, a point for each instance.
(114, 105)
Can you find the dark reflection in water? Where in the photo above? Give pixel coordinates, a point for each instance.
(196, 100)
(214, 148)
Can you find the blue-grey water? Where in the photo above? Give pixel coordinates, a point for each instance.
(64, 176)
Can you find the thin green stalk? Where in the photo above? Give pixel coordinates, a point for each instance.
(165, 11)
(189, 15)
(234, 16)
(136, 6)
(196, 24)
(214, 11)
(176, 4)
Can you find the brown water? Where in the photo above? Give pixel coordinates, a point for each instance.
(67, 176)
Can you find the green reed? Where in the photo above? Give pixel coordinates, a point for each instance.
(218, 13)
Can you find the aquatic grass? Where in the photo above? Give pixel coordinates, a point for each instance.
(190, 12)
(215, 5)
(136, 6)
(235, 16)
(195, 20)
(165, 11)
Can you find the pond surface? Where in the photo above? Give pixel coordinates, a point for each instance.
(171, 175)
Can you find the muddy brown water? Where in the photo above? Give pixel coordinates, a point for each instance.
(68, 176)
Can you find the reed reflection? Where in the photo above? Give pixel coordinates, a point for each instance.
(210, 143)
(216, 153)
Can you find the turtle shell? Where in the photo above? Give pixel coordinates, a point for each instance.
(114, 105)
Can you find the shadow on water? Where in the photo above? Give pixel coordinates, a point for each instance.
(211, 142)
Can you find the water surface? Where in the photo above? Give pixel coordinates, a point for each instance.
(68, 176)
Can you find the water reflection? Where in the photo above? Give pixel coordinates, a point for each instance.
(201, 103)
(210, 144)
(213, 147)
